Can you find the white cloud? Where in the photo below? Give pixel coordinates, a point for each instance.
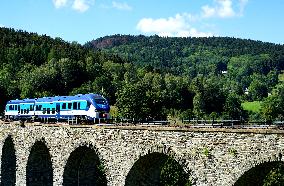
(208, 11)
(2, 25)
(181, 25)
(221, 8)
(178, 26)
(81, 5)
(78, 5)
(59, 3)
(121, 6)
(224, 8)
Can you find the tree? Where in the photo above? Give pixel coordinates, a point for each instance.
(273, 105)
(233, 107)
(131, 102)
(155, 95)
(269, 108)
(93, 68)
(209, 95)
(38, 82)
(275, 177)
(172, 174)
(258, 88)
(178, 96)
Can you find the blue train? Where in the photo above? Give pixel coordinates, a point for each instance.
(82, 107)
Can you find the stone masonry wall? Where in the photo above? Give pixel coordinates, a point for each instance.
(213, 157)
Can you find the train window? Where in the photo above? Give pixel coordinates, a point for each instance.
(48, 110)
(22, 111)
(69, 105)
(28, 111)
(31, 107)
(16, 107)
(10, 107)
(53, 111)
(83, 105)
(79, 104)
(64, 106)
(25, 111)
(75, 105)
(100, 101)
(44, 110)
(38, 107)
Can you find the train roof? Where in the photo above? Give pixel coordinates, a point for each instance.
(69, 98)
(18, 101)
(57, 98)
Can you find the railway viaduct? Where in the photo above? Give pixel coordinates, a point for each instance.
(60, 155)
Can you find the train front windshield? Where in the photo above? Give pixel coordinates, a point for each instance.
(100, 100)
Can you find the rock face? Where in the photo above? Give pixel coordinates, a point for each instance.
(211, 157)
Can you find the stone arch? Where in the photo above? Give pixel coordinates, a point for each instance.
(39, 169)
(169, 151)
(153, 165)
(256, 169)
(8, 162)
(84, 167)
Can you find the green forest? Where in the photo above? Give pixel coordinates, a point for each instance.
(149, 77)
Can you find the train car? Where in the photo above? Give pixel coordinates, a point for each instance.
(20, 109)
(83, 107)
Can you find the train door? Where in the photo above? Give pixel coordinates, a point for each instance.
(19, 110)
(57, 110)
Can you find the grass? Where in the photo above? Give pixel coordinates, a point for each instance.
(252, 106)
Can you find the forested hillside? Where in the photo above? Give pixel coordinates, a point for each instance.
(148, 77)
(204, 76)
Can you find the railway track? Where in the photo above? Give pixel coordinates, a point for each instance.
(164, 124)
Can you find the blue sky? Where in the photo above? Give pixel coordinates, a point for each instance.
(84, 20)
